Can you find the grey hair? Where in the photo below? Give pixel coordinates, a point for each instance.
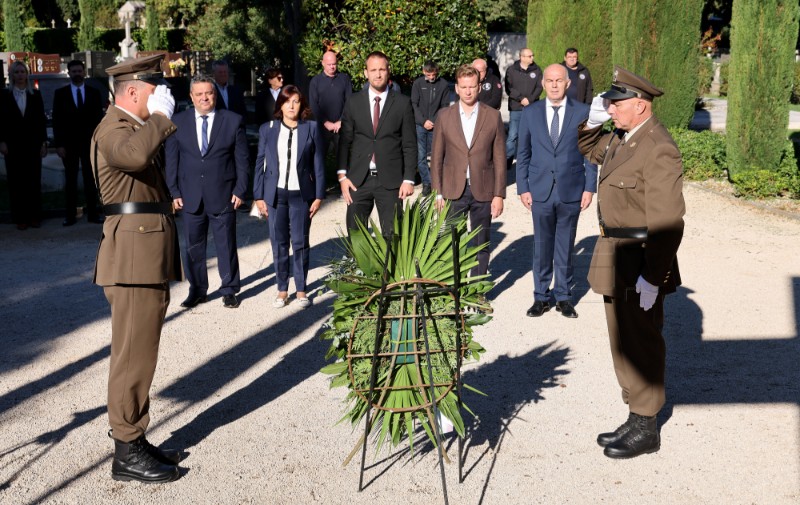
(203, 78)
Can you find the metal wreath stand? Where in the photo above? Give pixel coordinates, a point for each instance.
(417, 289)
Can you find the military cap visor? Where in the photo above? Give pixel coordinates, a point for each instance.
(618, 92)
(627, 85)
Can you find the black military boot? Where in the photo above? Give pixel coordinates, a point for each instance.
(132, 461)
(166, 456)
(604, 439)
(641, 438)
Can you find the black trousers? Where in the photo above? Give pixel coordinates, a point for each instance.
(79, 156)
(24, 173)
(223, 227)
(371, 194)
(480, 214)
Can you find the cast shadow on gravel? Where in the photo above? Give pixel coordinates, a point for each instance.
(511, 384)
(204, 381)
(750, 371)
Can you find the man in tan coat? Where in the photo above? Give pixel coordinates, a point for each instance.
(137, 258)
(640, 208)
(468, 160)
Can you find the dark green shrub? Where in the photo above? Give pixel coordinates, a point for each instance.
(723, 78)
(703, 153)
(660, 40)
(763, 38)
(705, 75)
(764, 183)
(796, 83)
(555, 25)
(53, 40)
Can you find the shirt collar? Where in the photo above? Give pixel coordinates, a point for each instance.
(197, 115)
(383, 95)
(551, 104)
(474, 110)
(131, 114)
(636, 129)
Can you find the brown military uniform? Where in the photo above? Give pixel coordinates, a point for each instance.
(137, 257)
(640, 187)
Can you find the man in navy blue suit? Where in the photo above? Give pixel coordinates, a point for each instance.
(207, 172)
(555, 182)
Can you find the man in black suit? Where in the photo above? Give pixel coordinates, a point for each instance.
(207, 172)
(77, 110)
(229, 96)
(377, 148)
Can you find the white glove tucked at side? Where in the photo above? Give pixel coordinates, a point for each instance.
(597, 113)
(161, 101)
(647, 293)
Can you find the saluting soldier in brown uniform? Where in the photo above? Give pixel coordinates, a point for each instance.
(640, 208)
(137, 258)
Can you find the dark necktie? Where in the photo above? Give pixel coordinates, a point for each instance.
(288, 157)
(376, 115)
(80, 98)
(204, 136)
(554, 126)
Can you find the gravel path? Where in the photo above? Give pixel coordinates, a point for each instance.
(240, 390)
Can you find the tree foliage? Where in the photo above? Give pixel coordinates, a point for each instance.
(451, 32)
(555, 25)
(12, 25)
(152, 40)
(661, 41)
(763, 38)
(504, 15)
(86, 33)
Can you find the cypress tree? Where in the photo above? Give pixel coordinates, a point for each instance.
(763, 38)
(12, 24)
(660, 40)
(151, 41)
(86, 33)
(555, 25)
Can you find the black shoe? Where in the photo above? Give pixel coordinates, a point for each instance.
(166, 456)
(193, 300)
(133, 461)
(69, 221)
(566, 308)
(610, 437)
(641, 438)
(426, 189)
(538, 308)
(97, 219)
(230, 301)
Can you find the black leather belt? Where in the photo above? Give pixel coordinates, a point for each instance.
(138, 208)
(637, 233)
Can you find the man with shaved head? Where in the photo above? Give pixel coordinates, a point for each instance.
(328, 92)
(491, 91)
(555, 182)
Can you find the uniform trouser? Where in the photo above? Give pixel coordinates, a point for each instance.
(555, 224)
(223, 227)
(638, 351)
(74, 157)
(137, 315)
(24, 174)
(371, 194)
(290, 224)
(424, 143)
(480, 214)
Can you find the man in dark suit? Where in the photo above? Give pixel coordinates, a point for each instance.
(377, 149)
(229, 96)
(207, 171)
(641, 208)
(556, 183)
(468, 160)
(77, 110)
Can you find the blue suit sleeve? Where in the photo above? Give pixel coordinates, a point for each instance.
(319, 163)
(240, 157)
(172, 157)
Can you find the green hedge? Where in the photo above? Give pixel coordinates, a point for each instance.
(763, 183)
(703, 153)
(723, 78)
(705, 75)
(796, 83)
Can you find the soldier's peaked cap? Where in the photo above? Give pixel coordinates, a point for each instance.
(147, 69)
(626, 84)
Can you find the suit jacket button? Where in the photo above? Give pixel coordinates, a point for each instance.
(141, 228)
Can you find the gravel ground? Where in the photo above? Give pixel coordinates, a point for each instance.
(240, 390)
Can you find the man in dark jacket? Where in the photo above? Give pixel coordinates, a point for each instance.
(429, 93)
(523, 86)
(491, 91)
(581, 89)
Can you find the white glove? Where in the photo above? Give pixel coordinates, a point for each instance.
(647, 293)
(597, 113)
(161, 101)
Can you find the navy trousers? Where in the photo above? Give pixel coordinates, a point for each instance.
(289, 225)
(554, 226)
(223, 228)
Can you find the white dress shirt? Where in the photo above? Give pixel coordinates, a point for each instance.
(549, 112)
(21, 97)
(198, 124)
(468, 123)
(283, 164)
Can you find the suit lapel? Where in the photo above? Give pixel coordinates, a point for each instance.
(385, 111)
(619, 153)
(568, 113)
(216, 127)
(544, 138)
(303, 131)
(479, 122)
